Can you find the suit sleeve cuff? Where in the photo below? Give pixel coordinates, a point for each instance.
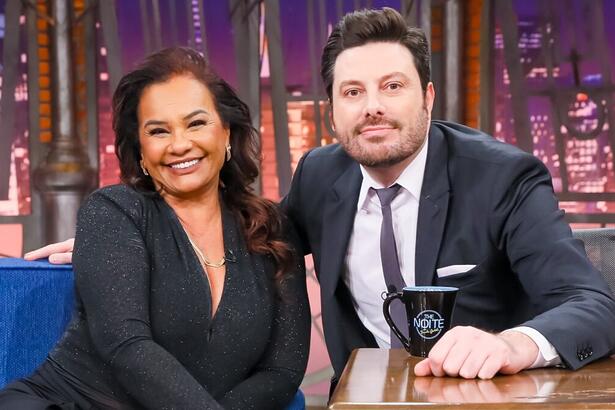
(547, 355)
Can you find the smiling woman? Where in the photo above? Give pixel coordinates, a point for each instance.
(190, 294)
(183, 140)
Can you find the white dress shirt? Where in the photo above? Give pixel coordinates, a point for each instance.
(363, 274)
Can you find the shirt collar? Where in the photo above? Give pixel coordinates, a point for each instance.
(411, 178)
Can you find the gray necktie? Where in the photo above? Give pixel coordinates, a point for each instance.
(390, 261)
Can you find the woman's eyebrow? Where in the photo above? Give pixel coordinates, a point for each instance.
(195, 112)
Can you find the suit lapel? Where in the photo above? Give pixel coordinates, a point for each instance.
(338, 217)
(433, 207)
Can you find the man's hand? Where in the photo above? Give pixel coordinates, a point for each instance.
(469, 352)
(58, 253)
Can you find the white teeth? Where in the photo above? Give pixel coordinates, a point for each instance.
(183, 165)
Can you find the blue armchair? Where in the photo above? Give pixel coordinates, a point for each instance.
(36, 302)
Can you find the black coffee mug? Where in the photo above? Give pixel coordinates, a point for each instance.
(429, 310)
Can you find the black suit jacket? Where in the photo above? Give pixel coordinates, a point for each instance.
(483, 203)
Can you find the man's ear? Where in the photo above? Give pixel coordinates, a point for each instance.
(331, 120)
(430, 96)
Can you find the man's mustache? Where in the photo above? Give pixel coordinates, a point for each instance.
(371, 122)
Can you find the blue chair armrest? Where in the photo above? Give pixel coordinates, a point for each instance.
(298, 402)
(36, 303)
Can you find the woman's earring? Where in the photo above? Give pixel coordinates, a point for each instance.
(144, 170)
(228, 152)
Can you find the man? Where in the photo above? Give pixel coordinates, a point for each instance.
(467, 211)
(471, 212)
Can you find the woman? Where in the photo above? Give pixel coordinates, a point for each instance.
(188, 294)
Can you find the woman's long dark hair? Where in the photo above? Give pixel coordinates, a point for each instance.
(260, 218)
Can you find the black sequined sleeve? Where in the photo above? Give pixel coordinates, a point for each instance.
(112, 279)
(279, 374)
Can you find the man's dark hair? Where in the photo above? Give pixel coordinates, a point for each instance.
(366, 26)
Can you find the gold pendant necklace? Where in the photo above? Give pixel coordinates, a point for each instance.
(202, 258)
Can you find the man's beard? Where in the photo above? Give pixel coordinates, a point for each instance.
(381, 155)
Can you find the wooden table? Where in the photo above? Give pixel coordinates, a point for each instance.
(382, 378)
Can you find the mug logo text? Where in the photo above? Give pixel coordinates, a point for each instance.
(428, 324)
